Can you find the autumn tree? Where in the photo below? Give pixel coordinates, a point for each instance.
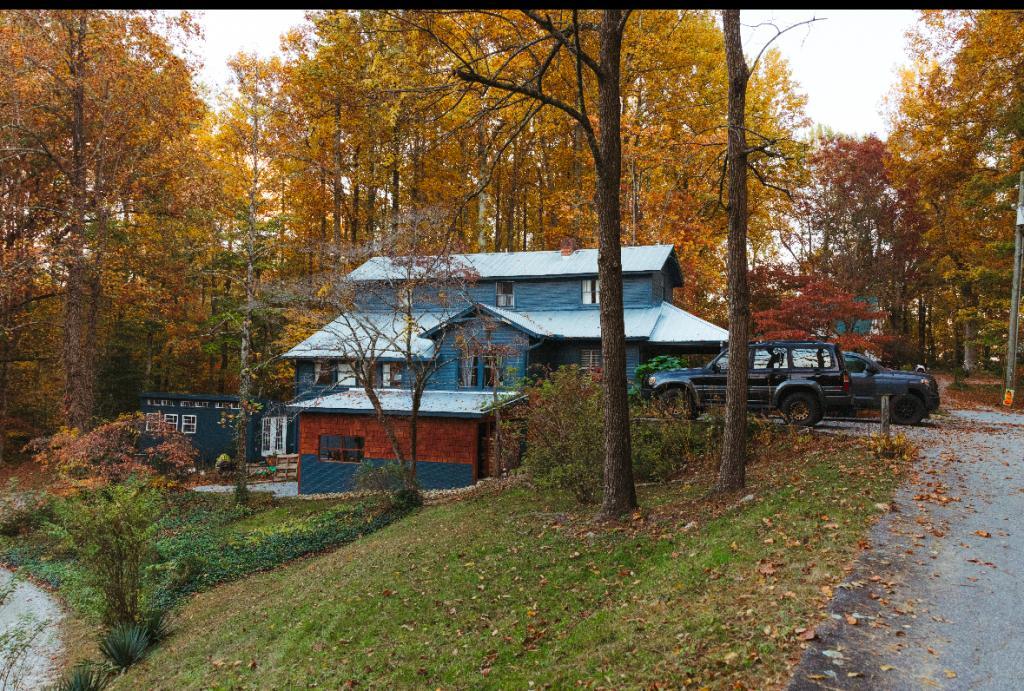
(95, 96)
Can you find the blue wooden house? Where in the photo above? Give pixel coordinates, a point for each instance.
(209, 421)
(521, 312)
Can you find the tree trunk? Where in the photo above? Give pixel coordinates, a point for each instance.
(732, 471)
(78, 348)
(336, 183)
(970, 302)
(922, 320)
(619, 488)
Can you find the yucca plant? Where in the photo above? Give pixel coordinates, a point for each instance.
(85, 677)
(157, 625)
(125, 644)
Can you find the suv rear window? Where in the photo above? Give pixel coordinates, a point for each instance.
(812, 358)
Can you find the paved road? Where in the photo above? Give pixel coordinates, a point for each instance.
(939, 597)
(30, 607)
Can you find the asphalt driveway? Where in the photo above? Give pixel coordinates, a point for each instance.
(937, 601)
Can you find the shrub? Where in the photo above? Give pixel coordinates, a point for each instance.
(659, 363)
(663, 448)
(386, 477)
(85, 677)
(117, 450)
(564, 421)
(225, 464)
(112, 530)
(125, 644)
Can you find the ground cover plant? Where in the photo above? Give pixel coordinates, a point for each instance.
(521, 586)
(197, 540)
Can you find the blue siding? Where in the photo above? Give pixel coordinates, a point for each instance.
(215, 427)
(450, 355)
(318, 477)
(555, 354)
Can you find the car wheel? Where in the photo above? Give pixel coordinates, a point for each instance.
(678, 403)
(907, 409)
(801, 409)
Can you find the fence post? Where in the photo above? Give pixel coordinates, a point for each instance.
(886, 399)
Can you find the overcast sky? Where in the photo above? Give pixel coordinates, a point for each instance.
(845, 64)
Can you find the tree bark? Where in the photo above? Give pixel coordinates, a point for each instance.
(732, 471)
(619, 488)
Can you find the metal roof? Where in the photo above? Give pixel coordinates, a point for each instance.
(489, 265)
(353, 334)
(398, 401)
(356, 334)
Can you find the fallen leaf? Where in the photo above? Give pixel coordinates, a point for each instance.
(850, 619)
(982, 533)
(887, 668)
(806, 635)
(950, 674)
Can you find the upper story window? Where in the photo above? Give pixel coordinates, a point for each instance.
(392, 374)
(468, 375)
(346, 374)
(324, 373)
(505, 294)
(591, 291)
(188, 424)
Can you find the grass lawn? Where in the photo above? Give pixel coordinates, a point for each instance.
(512, 589)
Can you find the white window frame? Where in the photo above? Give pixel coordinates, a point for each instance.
(319, 369)
(274, 435)
(153, 422)
(590, 359)
(387, 370)
(345, 374)
(171, 419)
(591, 291)
(189, 423)
(505, 299)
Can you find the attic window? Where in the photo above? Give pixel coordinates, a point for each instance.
(591, 291)
(506, 294)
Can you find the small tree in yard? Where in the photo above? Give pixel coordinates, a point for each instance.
(380, 320)
(564, 425)
(112, 530)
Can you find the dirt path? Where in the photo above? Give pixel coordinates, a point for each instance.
(32, 607)
(938, 599)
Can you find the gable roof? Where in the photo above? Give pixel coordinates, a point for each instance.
(664, 323)
(542, 264)
(356, 333)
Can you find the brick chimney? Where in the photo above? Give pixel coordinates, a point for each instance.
(568, 246)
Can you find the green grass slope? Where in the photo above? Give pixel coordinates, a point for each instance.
(511, 589)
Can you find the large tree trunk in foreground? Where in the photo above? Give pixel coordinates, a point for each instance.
(619, 488)
(732, 471)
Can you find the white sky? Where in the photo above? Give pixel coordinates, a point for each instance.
(845, 64)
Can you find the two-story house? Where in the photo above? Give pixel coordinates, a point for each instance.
(522, 312)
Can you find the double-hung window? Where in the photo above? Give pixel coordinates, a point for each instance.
(468, 376)
(188, 424)
(324, 373)
(505, 294)
(590, 359)
(346, 374)
(591, 291)
(171, 420)
(392, 374)
(152, 422)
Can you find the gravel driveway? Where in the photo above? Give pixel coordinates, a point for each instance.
(938, 599)
(279, 489)
(31, 606)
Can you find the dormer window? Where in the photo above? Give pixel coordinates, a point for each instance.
(324, 373)
(591, 291)
(505, 294)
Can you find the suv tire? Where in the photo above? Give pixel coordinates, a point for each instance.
(801, 408)
(907, 409)
(679, 403)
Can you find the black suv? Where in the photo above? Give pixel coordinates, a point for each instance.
(801, 379)
(914, 394)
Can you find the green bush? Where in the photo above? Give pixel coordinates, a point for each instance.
(85, 677)
(663, 448)
(387, 477)
(659, 363)
(111, 531)
(125, 644)
(564, 422)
